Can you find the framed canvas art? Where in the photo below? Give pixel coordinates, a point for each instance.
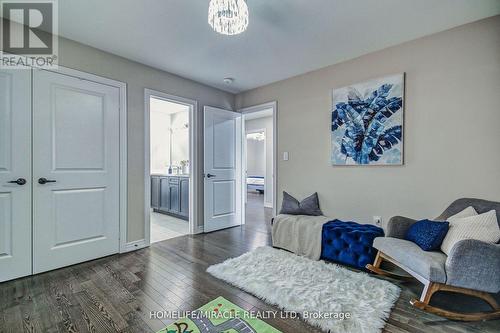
(367, 122)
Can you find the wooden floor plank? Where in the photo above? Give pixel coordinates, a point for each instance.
(119, 292)
(12, 320)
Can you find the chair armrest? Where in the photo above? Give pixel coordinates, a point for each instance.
(474, 264)
(398, 226)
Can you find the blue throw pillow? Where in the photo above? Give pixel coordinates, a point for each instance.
(427, 234)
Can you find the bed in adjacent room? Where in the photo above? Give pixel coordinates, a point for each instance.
(255, 183)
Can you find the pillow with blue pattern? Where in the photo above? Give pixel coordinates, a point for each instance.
(428, 234)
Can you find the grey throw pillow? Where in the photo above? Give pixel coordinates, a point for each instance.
(308, 206)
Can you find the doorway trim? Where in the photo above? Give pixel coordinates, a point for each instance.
(256, 108)
(193, 158)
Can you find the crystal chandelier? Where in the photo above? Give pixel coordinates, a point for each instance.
(228, 17)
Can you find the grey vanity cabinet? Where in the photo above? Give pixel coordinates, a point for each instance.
(173, 191)
(184, 191)
(170, 195)
(164, 195)
(155, 192)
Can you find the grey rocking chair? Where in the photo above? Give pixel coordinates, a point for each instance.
(472, 267)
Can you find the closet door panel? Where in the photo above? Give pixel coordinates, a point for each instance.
(76, 170)
(15, 173)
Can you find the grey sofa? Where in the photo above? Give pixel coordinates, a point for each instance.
(473, 267)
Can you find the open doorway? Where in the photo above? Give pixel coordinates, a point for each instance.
(169, 177)
(259, 165)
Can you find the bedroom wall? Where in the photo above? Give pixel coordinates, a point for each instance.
(452, 131)
(138, 77)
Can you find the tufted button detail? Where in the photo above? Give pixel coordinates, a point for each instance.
(349, 242)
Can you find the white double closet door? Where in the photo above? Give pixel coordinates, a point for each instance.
(59, 171)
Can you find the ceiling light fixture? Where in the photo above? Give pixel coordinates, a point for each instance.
(228, 80)
(259, 136)
(228, 17)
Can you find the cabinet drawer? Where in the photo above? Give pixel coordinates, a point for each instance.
(173, 180)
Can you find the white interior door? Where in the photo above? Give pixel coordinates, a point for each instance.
(15, 173)
(75, 170)
(223, 157)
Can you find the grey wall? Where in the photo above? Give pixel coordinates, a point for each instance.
(452, 127)
(138, 77)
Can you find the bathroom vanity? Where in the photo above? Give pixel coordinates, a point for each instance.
(170, 195)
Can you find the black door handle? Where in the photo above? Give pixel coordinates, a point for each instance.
(43, 181)
(19, 181)
(210, 175)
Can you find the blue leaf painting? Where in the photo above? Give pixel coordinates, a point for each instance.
(367, 123)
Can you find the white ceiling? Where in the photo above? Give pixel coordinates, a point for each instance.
(166, 107)
(284, 38)
(259, 114)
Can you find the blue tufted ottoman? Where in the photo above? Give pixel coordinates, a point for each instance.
(349, 243)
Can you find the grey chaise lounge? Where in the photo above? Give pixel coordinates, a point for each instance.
(472, 268)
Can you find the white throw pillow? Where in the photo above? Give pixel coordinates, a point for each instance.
(469, 211)
(483, 227)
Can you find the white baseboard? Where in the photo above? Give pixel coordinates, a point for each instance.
(132, 246)
(268, 205)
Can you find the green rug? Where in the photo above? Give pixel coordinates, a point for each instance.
(219, 316)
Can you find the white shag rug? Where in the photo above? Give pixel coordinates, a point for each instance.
(302, 285)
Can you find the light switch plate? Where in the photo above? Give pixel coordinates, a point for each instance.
(285, 156)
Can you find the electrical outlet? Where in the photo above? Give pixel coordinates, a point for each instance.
(377, 220)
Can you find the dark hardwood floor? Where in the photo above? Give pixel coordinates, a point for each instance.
(117, 293)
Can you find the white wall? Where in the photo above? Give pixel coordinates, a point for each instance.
(180, 137)
(160, 141)
(267, 124)
(256, 157)
(452, 132)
